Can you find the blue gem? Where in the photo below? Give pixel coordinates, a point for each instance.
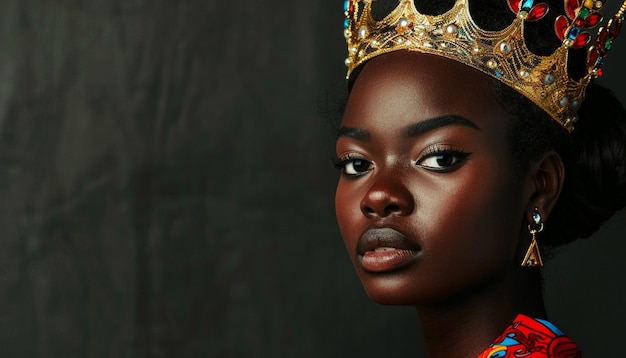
(499, 74)
(600, 61)
(573, 33)
(549, 79)
(346, 5)
(526, 5)
(346, 23)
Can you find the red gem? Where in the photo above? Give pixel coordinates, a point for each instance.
(571, 6)
(579, 22)
(615, 26)
(603, 35)
(593, 19)
(600, 73)
(351, 9)
(514, 5)
(581, 40)
(538, 12)
(560, 26)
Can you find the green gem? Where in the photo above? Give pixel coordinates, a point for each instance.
(608, 44)
(583, 13)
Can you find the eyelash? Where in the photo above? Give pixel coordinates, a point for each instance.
(342, 162)
(459, 155)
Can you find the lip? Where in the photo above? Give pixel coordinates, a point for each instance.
(385, 249)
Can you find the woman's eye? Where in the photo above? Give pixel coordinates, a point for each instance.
(354, 167)
(442, 161)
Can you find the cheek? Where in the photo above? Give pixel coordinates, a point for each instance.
(474, 223)
(347, 210)
(350, 219)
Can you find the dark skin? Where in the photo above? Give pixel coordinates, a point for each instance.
(430, 207)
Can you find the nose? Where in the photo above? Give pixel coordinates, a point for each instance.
(386, 197)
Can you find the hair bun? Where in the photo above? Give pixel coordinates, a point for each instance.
(595, 185)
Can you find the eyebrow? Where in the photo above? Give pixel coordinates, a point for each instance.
(415, 129)
(430, 124)
(354, 133)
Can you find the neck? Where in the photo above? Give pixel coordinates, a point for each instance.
(466, 325)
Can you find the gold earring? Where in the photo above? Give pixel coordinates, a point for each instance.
(533, 256)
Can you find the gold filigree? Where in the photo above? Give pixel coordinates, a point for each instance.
(454, 35)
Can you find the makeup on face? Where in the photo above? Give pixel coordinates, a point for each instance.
(426, 191)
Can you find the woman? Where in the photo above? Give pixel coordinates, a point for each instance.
(467, 152)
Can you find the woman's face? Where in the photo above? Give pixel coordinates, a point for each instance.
(428, 202)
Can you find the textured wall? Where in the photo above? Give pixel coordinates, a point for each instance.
(165, 190)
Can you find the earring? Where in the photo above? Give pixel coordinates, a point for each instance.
(533, 256)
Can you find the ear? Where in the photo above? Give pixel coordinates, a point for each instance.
(546, 179)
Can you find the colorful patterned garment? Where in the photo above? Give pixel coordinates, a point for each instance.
(532, 338)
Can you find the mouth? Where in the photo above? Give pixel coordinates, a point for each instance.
(385, 250)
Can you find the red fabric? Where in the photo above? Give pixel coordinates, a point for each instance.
(530, 338)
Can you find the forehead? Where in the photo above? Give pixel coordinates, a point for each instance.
(401, 88)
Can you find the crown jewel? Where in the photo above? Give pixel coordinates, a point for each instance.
(502, 54)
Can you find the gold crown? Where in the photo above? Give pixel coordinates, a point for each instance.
(501, 54)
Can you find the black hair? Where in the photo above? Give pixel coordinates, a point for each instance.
(594, 154)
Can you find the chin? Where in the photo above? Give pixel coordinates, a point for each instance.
(389, 290)
(402, 290)
(391, 300)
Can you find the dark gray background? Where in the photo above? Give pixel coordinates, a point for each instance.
(165, 190)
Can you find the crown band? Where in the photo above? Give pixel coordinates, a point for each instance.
(501, 54)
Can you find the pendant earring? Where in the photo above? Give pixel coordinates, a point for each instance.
(533, 256)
